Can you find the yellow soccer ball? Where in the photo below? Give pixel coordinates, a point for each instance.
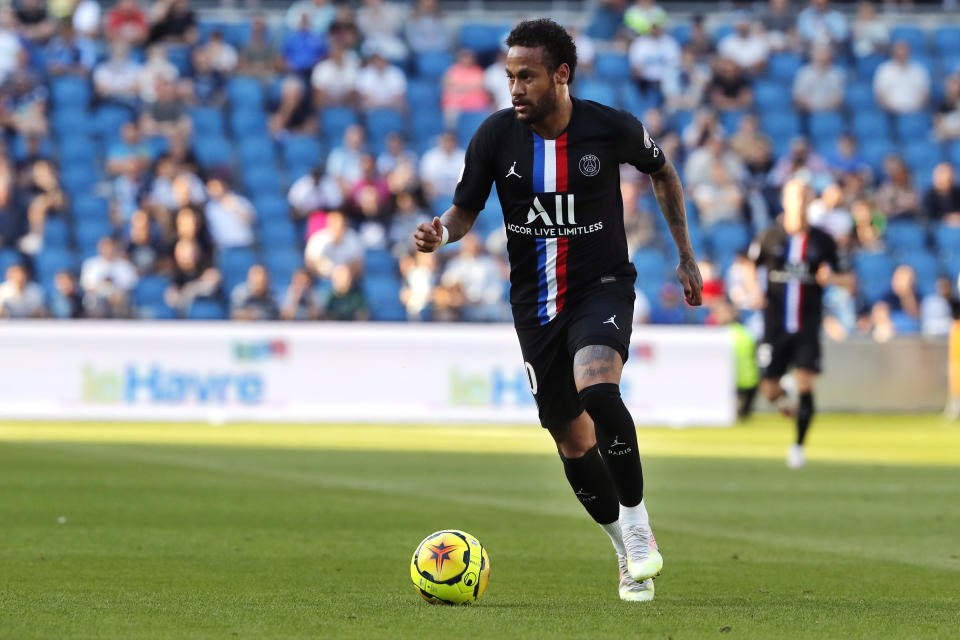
(450, 567)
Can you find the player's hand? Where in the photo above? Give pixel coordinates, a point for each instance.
(428, 235)
(824, 273)
(688, 273)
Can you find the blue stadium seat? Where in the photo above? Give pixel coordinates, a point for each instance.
(947, 238)
(467, 124)
(722, 31)
(276, 233)
(914, 125)
(248, 122)
(234, 263)
(56, 233)
(612, 67)
(89, 234)
(783, 67)
(257, 150)
(72, 92)
(482, 38)
(874, 151)
(379, 288)
(207, 121)
(634, 101)
(334, 121)
(771, 96)
(873, 273)
(681, 32)
(281, 263)
(271, 207)
(159, 145)
(727, 238)
(867, 66)
(110, 120)
(682, 119)
(920, 152)
(651, 268)
(946, 39)
(950, 64)
(73, 121)
(426, 126)
(149, 291)
(433, 64)
(299, 150)
(731, 120)
(9, 257)
(596, 90)
(206, 309)
(212, 151)
(870, 124)
(780, 124)
(51, 260)
(79, 178)
(954, 153)
(914, 36)
(859, 97)
(906, 235)
(826, 125)
(20, 150)
(925, 267)
(179, 57)
(262, 179)
(382, 122)
(245, 93)
(423, 94)
(90, 208)
(949, 264)
(379, 262)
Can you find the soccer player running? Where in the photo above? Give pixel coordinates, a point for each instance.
(556, 162)
(800, 261)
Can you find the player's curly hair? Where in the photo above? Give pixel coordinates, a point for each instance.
(557, 44)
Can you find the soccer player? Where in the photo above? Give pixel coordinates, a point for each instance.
(800, 261)
(556, 162)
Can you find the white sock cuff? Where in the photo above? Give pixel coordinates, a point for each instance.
(616, 537)
(635, 515)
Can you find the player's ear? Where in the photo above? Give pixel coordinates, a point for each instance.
(562, 74)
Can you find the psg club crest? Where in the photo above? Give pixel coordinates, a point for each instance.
(590, 165)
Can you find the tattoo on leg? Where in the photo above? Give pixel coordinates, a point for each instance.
(595, 361)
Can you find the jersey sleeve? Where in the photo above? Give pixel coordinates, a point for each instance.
(832, 256)
(476, 176)
(635, 146)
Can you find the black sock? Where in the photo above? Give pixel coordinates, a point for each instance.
(745, 398)
(617, 438)
(804, 416)
(590, 481)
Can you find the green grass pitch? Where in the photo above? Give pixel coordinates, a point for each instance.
(243, 531)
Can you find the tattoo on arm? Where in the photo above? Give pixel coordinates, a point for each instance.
(458, 221)
(669, 192)
(595, 361)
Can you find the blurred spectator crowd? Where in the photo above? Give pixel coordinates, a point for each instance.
(158, 164)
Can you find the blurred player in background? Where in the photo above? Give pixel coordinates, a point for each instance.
(800, 261)
(556, 163)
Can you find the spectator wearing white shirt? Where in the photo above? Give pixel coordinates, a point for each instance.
(747, 46)
(653, 57)
(440, 167)
(395, 155)
(683, 87)
(473, 283)
(156, 69)
(221, 54)
(381, 85)
(314, 192)
(901, 86)
(495, 82)
(108, 265)
(719, 198)
(333, 245)
(870, 36)
(343, 163)
(230, 216)
(425, 30)
(20, 298)
(936, 314)
(829, 214)
(118, 78)
(380, 24)
(320, 14)
(819, 24)
(334, 80)
(819, 85)
(9, 43)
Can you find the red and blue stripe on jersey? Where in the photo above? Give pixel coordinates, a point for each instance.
(793, 298)
(550, 176)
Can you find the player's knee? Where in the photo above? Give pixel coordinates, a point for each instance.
(597, 398)
(575, 438)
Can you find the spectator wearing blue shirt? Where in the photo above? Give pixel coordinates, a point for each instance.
(303, 48)
(64, 55)
(819, 24)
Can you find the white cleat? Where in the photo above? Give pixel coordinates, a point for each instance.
(795, 456)
(630, 589)
(643, 556)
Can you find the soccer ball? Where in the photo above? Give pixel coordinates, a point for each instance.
(450, 567)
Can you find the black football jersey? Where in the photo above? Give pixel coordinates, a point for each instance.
(794, 297)
(561, 201)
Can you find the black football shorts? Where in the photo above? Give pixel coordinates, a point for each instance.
(602, 316)
(780, 351)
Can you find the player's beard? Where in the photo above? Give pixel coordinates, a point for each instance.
(542, 108)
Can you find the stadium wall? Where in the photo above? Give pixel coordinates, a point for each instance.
(331, 372)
